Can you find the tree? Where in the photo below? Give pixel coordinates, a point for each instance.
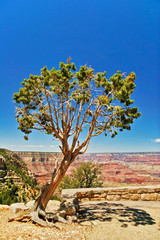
(87, 175)
(64, 102)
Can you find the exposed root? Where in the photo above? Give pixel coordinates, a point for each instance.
(19, 218)
(36, 219)
(41, 218)
(61, 219)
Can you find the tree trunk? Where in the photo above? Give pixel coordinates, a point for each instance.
(38, 214)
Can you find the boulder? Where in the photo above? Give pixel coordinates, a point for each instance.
(4, 207)
(30, 204)
(53, 206)
(69, 207)
(16, 207)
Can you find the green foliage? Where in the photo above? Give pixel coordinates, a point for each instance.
(66, 183)
(85, 176)
(9, 195)
(45, 102)
(2, 173)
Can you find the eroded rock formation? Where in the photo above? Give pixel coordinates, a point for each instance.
(131, 168)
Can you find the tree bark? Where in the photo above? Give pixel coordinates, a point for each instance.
(38, 210)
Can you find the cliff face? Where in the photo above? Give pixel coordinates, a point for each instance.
(12, 167)
(139, 168)
(131, 168)
(17, 183)
(42, 164)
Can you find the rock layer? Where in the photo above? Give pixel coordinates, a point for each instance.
(129, 168)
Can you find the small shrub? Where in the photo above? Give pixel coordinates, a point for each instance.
(9, 195)
(86, 176)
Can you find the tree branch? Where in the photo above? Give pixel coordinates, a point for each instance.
(76, 128)
(86, 141)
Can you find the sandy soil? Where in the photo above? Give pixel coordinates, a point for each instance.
(127, 220)
(97, 220)
(30, 231)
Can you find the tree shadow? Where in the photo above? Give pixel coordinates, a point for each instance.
(104, 211)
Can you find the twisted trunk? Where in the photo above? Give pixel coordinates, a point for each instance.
(38, 213)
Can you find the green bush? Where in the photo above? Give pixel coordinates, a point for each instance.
(9, 195)
(86, 176)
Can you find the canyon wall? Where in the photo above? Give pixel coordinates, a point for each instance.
(118, 168)
(42, 164)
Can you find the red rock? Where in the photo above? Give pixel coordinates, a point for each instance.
(119, 168)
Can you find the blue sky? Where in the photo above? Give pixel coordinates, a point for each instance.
(109, 35)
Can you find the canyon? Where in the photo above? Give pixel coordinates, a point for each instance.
(117, 169)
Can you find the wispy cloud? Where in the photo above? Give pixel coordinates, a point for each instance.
(3, 146)
(157, 140)
(34, 146)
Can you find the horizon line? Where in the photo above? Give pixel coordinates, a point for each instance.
(85, 152)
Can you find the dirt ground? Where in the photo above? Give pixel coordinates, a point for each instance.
(97, 221)
(123, 220)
